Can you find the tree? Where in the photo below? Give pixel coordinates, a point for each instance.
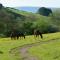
(1, 6)
(44, 11)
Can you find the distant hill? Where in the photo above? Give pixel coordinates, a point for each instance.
(34, 9)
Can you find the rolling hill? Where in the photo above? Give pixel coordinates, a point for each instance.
(27, 21)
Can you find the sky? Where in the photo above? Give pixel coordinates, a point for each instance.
(31, 3)
(28, 9)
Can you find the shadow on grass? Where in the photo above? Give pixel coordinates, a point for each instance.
(1, 52)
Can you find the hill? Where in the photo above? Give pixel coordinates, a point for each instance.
(11, 18)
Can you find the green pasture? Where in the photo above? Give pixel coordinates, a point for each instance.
(49, 51)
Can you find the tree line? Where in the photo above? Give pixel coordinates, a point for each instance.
(42, 20)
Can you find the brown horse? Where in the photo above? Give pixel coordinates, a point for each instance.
(21, 35)
(37, 33)
(13, 35)
(16, 35)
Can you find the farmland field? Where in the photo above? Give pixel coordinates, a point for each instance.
(47, 48)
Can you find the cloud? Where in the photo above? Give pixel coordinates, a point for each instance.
(33, 3)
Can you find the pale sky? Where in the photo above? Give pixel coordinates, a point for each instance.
(32, 3)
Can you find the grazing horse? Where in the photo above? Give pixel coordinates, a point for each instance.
(21, 35)
(37, 33)
(16, 35)
(13, 35)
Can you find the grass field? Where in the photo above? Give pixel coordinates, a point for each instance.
(49, 50)
(44, 51)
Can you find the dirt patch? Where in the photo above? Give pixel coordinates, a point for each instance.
(25, 55)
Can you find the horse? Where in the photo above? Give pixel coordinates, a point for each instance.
(13, 35)
(16, 35)
(37, 33)
(21, 35)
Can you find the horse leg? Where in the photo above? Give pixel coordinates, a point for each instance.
(11, 38)
(14, 37)
(41, 35)
(20, 37)
(24, 36)
(38, 36)
(17, 37)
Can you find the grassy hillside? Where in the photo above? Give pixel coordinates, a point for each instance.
(25, 13)
(55, 19)
(49, 51)
(52, 20)
(44, 51)
(6, 44)
(26, 21)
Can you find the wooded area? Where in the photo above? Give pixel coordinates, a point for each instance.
(46, 20)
